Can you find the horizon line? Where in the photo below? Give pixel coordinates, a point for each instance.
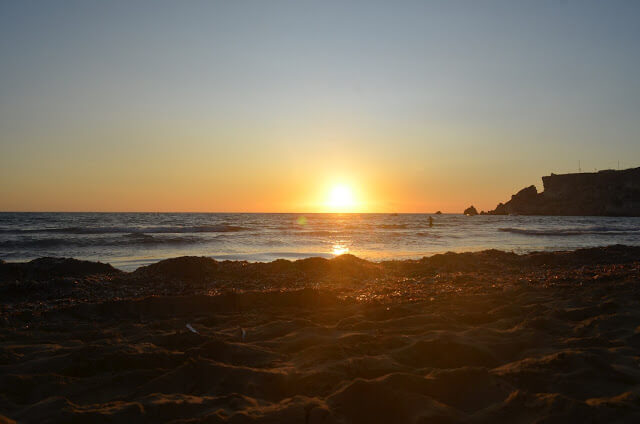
(262, 213)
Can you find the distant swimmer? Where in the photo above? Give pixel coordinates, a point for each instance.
(430, 222)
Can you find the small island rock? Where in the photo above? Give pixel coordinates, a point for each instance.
(471, 211)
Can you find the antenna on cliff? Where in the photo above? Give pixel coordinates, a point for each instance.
(579, 169)
(618, 165)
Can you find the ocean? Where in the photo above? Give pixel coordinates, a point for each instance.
(129, 240)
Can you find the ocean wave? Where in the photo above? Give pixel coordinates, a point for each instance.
(395, 226)
(427, 234)
(319, 233)
(572, 231)
(221, 228)
(131, 239)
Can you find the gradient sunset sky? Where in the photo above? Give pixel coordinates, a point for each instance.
(264, 106)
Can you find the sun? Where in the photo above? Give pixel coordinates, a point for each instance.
(341, 198)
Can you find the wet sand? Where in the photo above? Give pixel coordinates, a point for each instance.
(476, 337)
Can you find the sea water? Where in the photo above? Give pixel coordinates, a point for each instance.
(129, 240)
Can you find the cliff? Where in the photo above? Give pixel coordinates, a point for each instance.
(604, 193)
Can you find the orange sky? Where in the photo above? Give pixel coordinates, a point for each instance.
(265, 106)
(147, 170)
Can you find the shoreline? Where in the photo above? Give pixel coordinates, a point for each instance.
(128, 242)
(486, 336)
(50, 283)
(385, 262)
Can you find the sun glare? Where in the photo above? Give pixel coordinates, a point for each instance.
(339, 249)
(341, 199)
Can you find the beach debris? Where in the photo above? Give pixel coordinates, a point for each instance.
(193, 330)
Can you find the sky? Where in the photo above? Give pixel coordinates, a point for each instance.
(268, 106)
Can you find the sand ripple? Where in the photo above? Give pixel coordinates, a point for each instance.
(541, 344)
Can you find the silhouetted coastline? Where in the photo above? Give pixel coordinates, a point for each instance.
(605, 193)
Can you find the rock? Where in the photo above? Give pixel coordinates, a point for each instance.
(439, 213)
(499, 210)
(604, 193)
(471, 211)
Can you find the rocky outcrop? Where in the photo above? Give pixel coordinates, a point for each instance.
(471, 211)
(604, 193)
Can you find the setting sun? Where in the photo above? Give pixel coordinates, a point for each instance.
(341, 198)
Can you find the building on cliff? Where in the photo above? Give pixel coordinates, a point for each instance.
(604, 193)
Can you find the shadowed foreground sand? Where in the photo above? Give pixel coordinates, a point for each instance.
(475, 337)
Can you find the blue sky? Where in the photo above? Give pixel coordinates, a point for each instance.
(261, 105)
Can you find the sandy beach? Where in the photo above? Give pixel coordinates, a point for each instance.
(474, 337)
